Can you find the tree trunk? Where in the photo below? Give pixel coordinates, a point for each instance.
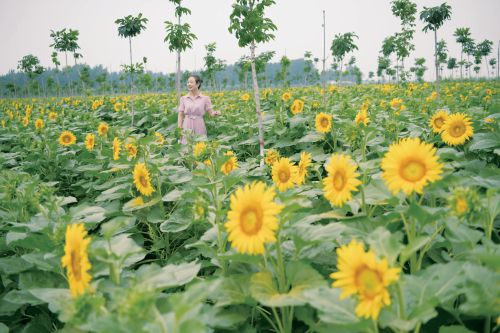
(178, 73)
(257, 103)
(487, 67)
(436, 63)
(131, 79)
(461, 61)
(323, 72)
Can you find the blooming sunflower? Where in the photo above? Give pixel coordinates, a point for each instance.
(409, 165)
(159, 138)
(67, 138)
(286, 96)
(102, 129)
(362, 118)
(323, 122)
(272, 156)
(199, 148)
(438, 119)
(131, 149)
(362, 274)
(89, 141)
(342, 179)
(76, 259)
(252, 219)
(26, 121)
(284, 173)
(457, 129)
(141, 180)
(297, 106)
(245, 97)
(52, 116)
(39, 123)
(305, 161)
(231, 163)
(116, 148)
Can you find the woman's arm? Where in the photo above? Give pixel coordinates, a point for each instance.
(208, 108)
(180, 119)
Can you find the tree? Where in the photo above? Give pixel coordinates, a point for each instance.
(484, 49)
(250, 27)
(451, 65)
(65, 41)
(434, 18)
(419, 69)
(30, 65)
(179, 38)
(470, 50)
(128, 27)
(383, 65)
(283, 72)
(441, 54)
(493, 63)
(405, 10)
(462, 37)
(309, 68)
(212, 64)
(343, 44)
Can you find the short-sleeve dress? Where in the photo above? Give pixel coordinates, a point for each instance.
(194, 108)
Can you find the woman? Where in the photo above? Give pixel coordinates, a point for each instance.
(192, 108)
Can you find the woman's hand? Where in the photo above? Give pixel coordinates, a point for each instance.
(216, 113)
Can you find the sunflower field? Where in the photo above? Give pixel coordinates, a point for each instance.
(378, 211)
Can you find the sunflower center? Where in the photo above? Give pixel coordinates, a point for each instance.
(457, 130)
(324, 122)
(143, 181)
(369, 282)
(412, 171)
(75, 265)
(439, 122)
(251, 222)
(461, 206)
(284, 175)
(339, 180)
(66, 139)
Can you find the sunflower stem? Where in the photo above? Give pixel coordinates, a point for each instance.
(278, 320)
(401, 304)
(375, 326)
(220, 241)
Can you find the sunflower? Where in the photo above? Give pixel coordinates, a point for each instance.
(272, 156)
(76, 259)
(252, 219)
(323, 122)
(159, 138)
(437, 121)
(409, 165)
(141, 180)
(362, 118)
(116, 148)
(284, 174)
(39, 123)
(90, 141)
(245, 97)
(360, 273)
(457, 129)
(286, 96)
(26, 121)
(102, 129)
(342, 179)
(396, 103)
(52, 116)
(297, 106)
(305, 161)
(199, 148)
(67, 138)
(231, 163)
(131, 149)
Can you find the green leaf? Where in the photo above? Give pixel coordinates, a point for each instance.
(151, 276)
(92, 214)
(454, 329)
(416, 244)
(13, 265)
(301, 277)
(385, 244)
(483, 141)
(330, 308)
(57, 299)
(173, 195)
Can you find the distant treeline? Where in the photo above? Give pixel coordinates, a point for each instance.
(83, 79)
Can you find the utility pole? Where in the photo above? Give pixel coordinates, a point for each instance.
(323, 73)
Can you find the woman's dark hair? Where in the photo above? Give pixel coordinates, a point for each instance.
(197, 79)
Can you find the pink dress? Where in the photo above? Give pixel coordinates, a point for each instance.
(194, 109)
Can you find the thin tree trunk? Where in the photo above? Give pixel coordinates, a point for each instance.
(461, 61)
(436, 63)
(178, 74)
(487, 67)
(323, 73)
(257, 103)
(131, 78)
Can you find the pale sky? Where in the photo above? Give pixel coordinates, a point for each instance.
(25, 28)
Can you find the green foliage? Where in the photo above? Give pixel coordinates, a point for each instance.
(131, 26)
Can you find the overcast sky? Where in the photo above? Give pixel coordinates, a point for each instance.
(25, 28)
